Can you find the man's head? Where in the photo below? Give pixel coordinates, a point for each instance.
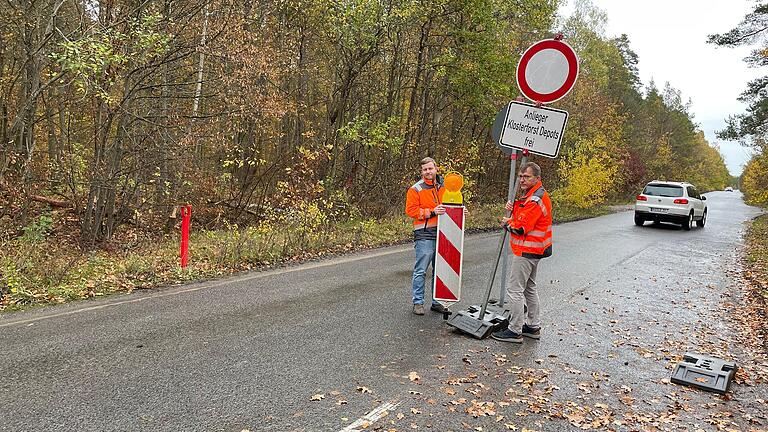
(529, 174)
(428, 169)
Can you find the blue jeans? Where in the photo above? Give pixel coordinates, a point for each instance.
(425, 255)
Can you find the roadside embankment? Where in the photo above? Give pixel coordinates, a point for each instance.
(46, 266)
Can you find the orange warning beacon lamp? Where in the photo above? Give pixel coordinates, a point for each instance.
(453, 184)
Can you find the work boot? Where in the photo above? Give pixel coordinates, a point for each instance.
(507, 336)
(437, 307)
(418, 309)
(531, 332)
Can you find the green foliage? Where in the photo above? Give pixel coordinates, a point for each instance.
(94, 59)
(37, 230)
(379, 135)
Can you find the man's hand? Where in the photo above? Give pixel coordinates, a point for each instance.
(509, 206)
(439, 210)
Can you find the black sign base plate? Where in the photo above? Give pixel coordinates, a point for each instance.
(707, 373)
(469, 322)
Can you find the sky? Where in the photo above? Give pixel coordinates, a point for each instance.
(670, 40)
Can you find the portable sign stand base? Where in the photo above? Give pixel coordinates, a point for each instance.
(468, 321)
(707, 373)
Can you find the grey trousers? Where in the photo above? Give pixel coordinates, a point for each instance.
(521, 291)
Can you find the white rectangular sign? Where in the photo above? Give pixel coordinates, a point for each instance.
(534, 128)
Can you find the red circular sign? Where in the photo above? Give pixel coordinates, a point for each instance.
(547, 71)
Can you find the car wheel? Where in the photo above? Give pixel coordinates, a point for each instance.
(688, 222)
(639, 220)
(701, 222)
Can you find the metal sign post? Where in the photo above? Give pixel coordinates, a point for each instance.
(511, 193)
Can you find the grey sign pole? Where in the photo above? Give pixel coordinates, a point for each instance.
(505, 249)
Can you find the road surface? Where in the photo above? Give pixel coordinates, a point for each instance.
(620, 303)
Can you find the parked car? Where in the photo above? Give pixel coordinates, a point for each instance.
(676, 202)
(729, 189)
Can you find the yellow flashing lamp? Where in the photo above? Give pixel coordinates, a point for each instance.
(453, 184)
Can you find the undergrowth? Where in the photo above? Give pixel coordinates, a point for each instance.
(757, 253)
(40, 267)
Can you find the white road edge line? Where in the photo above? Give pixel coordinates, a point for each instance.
(372, 417)
(310, 266)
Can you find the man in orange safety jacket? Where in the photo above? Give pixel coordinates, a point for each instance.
(423, 202)
(530, 228)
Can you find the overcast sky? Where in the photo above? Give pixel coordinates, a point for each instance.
(670, 38)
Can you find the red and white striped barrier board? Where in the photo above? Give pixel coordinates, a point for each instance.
(450, 247)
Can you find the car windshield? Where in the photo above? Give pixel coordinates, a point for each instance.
(663, 190)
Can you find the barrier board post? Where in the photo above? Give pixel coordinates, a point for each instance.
(186, 214)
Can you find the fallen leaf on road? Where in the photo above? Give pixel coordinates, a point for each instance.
(317, 397)
(413, 376)
(364, 390)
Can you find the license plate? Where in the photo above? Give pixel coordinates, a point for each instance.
(658, 210)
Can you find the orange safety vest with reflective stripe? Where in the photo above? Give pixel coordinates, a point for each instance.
(420, 200)
(533, 214)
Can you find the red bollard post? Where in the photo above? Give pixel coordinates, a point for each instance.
(186, 214)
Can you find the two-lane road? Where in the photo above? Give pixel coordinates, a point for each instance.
(249, 352)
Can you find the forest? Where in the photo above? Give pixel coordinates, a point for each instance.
(293, 122)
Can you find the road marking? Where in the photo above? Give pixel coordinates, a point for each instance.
(260, 275)
(372, 417)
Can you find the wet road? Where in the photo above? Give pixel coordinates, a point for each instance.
(251, 352)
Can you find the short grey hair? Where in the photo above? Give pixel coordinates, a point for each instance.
(535, 168)
(427, 160)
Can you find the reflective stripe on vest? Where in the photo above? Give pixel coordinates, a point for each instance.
(539, 233)
(539, 201)
(533, 244)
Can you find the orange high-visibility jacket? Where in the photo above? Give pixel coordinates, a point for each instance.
(533, 214)
(420, 200)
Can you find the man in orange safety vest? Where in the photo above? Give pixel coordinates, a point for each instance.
(530, 228)
(423, 203)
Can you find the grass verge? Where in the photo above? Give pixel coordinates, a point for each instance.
(756, 257)
(40, 268)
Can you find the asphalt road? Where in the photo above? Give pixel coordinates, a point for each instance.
(250, 352)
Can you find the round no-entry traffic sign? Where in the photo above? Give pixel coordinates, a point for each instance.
(547, 71)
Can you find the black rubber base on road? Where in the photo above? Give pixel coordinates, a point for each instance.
(468, 321)
(704, 372)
